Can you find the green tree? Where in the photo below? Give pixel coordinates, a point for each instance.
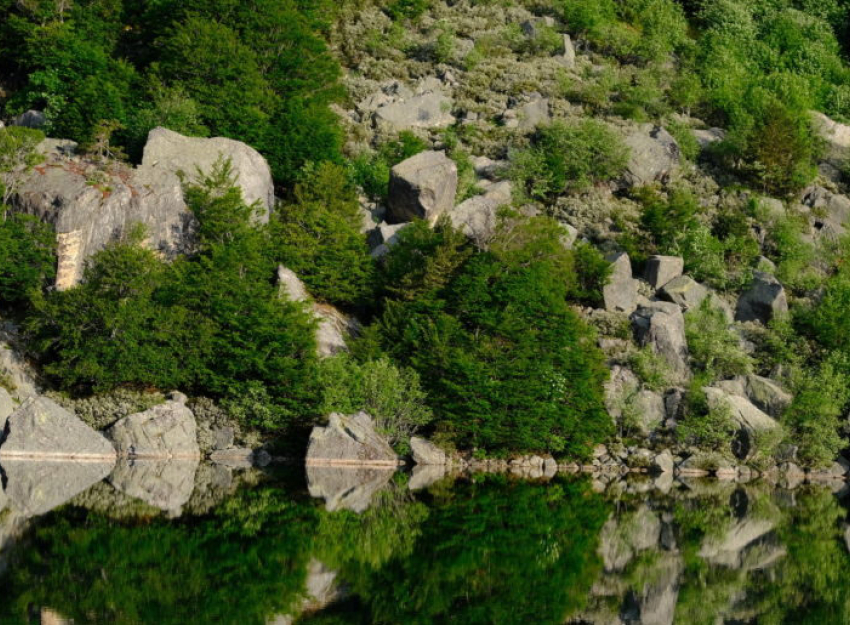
(318, 236)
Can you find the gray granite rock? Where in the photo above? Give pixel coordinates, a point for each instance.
(763, 300)
(620, 294)
(426, 110)
(349, 440)
(333, 327)
(662, 326)
(655, 156)
(86, 217)
(165, 431)
(422, 187)
(42, 429)
(426, 453)
(661, 269)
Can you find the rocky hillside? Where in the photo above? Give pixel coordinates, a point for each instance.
(536, 225)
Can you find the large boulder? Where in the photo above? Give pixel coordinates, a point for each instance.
(661, 269)
(7, 407)
(162, 432)
(763, 300)
(650, 410)
(767, 395)
(42, 429)
(89, 205)
(831, 211)
(422, 187)
(333, 326)
(836, 138)
(349, 440)
(478, 216)
(684, 291)
(655, 156)
(15, 372)
(661, 325)
(620, 294)
(751, 421)
(29, 119)
(426, 453)
(425, 110)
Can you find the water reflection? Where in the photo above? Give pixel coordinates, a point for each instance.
(379, 548)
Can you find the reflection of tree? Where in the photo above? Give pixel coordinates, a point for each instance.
(366, 542)
(491, 552)
(241, 565)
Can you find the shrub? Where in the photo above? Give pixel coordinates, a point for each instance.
(318, 236)
(507, 364)
(715, 348)
(27, 257)
(814, 417)
(568, 157)
(711, 431)
(652, 370)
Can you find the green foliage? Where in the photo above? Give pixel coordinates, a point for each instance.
(711, 430)
(407, 9)
(718, 254)
(27, 257)
(714, 346)
(259, 73)
(391, 395)
(506, 362)
(259, 541)
(643, 30)
(568, 157)
(442, 575)
(318, 236)
(212, 323)
(652, 370)
(18, 155)
(814, 417)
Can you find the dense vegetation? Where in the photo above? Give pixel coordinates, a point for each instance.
(484, 348)
(248, 560)
(259, 72)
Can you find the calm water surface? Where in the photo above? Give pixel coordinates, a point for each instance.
(170, 543)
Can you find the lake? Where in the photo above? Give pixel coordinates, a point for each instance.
(155, 543)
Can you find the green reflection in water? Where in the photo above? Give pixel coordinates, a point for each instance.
(484, 550)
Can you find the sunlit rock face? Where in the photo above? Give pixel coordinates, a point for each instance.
(165, 431)
(90, 205)
(349, 440)
(43, 430)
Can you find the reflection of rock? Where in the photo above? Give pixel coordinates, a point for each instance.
(346, 488)
(321, 590)
(36, 487)
(660, 591)
(727, 549)
(163, 484)
(424, 476)
(41, 428)
(622, 538)
(165, 431)
(349, 440)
